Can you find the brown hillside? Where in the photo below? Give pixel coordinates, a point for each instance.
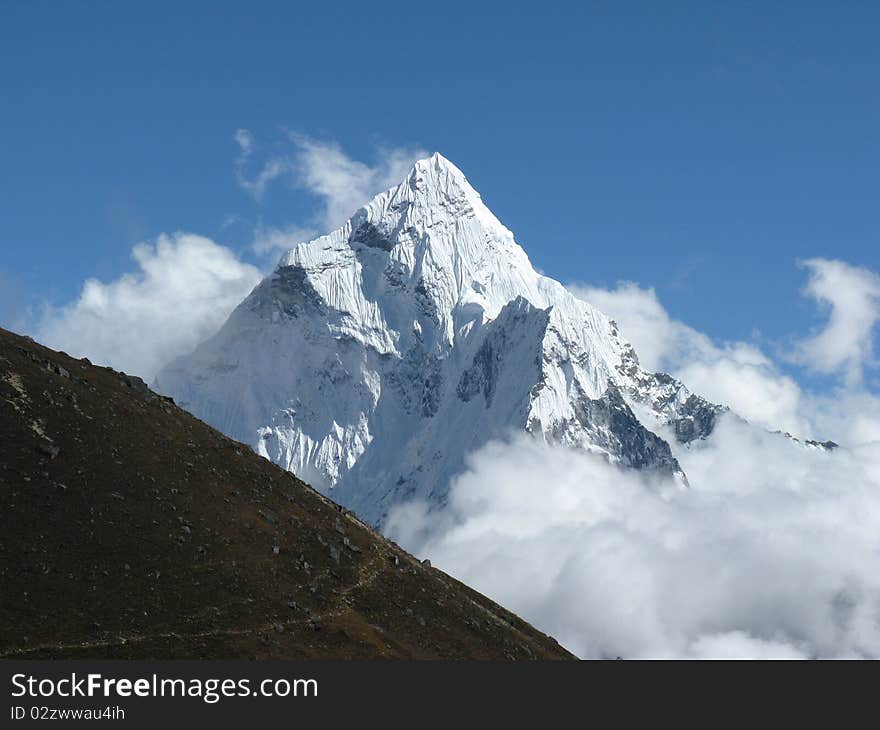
(130, 529)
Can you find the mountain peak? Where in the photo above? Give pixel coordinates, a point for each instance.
(437, 175)
(437, 162)
(376, 357)
(433, 218)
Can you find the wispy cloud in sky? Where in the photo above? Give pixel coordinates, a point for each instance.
(851, 296)
(321, 168)
(274, 240)
(342, 183)
(272, 169)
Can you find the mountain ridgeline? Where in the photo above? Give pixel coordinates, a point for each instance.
(373, 359)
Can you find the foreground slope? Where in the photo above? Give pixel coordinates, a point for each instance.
(375, 358)
(128, 528)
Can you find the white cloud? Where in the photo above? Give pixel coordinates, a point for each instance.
(271, 240)
(272, 169)
(848, 415)
(345, 184)
(185, 287)
(851, 295)
(660, 341)
(742, 376)
(773, 552)
(340, 183)
(736, 374)
(246, 143)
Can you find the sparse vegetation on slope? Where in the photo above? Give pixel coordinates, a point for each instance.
(130, 529)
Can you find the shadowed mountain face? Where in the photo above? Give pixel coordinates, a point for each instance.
(130, 529)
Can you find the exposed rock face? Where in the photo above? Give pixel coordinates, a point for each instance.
(376, 357)
(613, 427)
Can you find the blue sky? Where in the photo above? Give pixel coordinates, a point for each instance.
(700, 148)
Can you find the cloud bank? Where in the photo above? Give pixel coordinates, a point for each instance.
(184, 289)
(774, 551)
(742, 376)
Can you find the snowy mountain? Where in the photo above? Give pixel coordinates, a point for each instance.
(376, 357)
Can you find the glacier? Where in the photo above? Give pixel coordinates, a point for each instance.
(375, 358)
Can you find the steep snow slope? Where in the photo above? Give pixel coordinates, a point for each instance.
(376, 357)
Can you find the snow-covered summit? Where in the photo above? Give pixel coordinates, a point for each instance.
(433, 228)
(375, 357)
